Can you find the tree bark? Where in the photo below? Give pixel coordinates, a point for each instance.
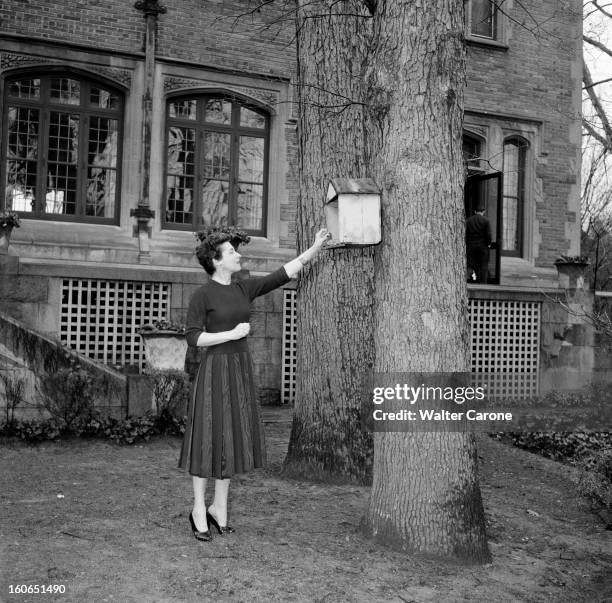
(425, 493)
(334, 330)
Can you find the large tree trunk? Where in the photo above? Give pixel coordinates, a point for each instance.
(335, 293)
(425, 494)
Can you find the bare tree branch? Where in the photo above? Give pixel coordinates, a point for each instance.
(595, 134)
(599, 110)
(597, 44)
(608, 79)
(601, 9)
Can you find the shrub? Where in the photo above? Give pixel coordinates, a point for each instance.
(170, 392)
(31, 431)
(14, 393)
(563, 446)
(589, 451)
(126, 431)
(68, 395)
(596, 478)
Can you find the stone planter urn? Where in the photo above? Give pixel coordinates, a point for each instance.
(5, 238)
(8, 221)
(571, 272)
(165, 346)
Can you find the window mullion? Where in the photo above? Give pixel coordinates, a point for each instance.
(233, 185)
(4, 152)
(266, 163)
(234, 159)
(198, 162)
(82, 155)
(42, 163)
(196, 207)
(81, 184)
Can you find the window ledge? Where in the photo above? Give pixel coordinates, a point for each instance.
(486, 43)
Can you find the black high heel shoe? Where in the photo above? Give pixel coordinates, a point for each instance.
(202, 536)
(221, 529)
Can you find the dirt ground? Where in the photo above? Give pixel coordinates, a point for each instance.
(110, 523)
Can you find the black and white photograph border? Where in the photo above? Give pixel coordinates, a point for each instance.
(224, 397)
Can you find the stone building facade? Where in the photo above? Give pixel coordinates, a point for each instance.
(125, 124)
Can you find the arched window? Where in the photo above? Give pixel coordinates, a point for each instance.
(60, 156)
(216, 163)
(515, 153)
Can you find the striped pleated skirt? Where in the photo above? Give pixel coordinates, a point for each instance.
(224, 432)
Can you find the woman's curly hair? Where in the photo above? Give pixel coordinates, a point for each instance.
(211, 240)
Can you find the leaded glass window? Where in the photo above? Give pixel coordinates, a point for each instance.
(472, 154)
(216, 164)
(481, 19)
(515, 151)
(60, 158)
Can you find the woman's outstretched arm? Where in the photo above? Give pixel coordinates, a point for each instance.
(293, 267)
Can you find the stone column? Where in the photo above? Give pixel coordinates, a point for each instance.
(143, 213)
(568, 354)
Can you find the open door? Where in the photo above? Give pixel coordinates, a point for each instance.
(485, 190)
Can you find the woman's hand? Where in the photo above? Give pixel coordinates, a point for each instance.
(293, 267)
(240, 330)
(321, 237)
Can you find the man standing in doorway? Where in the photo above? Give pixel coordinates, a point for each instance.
(478, 241)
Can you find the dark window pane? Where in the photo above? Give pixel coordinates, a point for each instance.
(513, 200)
(23, 132)
(251, 167)
(215, 202)
(63, 138)
(105, 99)
(511, 170)
(180, 181)
(250, 206)
(251, 119)
(25, 89)
(218, 111)
(483, 18)
(60, 195)
(65, 91)
(181, 151)
(22, 154)
(216, 155)
(179, 203)
(101, 172)
(185, 109)
(471, 150)
(510, 228)
(63, 155)
(102, 143)
(101, 190)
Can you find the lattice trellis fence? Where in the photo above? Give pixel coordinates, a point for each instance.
(99, 318)
(289, 346)
(505, 339)
(505, 343)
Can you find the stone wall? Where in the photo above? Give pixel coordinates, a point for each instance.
(31, 294)
(29, 355)
(530, 85)
(205, 32)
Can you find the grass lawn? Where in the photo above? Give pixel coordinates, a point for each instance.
(110, 523)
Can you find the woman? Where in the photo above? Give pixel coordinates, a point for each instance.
(224, 432)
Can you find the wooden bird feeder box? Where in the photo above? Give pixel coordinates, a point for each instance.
(352, 212)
